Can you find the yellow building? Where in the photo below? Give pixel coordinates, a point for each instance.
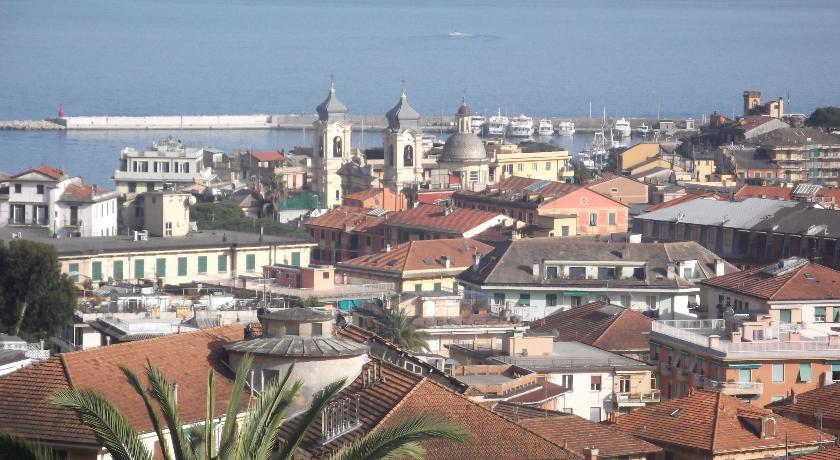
(512, 160)
(419, 265)
(161, 213)
(211, 256)
(637, 154)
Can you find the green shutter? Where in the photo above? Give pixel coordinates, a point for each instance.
(778, 372)
(202, 264)
(118, 270)
(73, 270)
(96, 271)
(182, 266)
(296, 259)
(250, 262)
(139, 269)
(835, 368)
(222, 264)
(160, 268)
(805, 372)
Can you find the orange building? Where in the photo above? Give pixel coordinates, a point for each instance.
(381, 198)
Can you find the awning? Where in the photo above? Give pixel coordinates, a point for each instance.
(575, 293)
(745, 366)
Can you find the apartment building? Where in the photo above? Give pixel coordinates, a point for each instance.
(620, 188)
(165, 164)
(803, 154)
(346, 232)
(756, 359)
(432, 222)
(535, 277)
(531, 162)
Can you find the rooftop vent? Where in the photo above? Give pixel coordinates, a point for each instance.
(675, 412)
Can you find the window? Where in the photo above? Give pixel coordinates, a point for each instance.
(96, 271)
(564, 230)
(520, 167)
(566, 381)
(778, 372)
(167, 231)
(251, 263)
(575, 301)
(595, 414)
(296, 259)
(499, 298)
(551, 300)
(202, 264)
(118, 270)
(593, 219)
(595, 383)
(835, 372)
(73, 270)
(222, 261)
(160, 268)
(577, 273)
(182, 266)
(611, 218)
(139, 268)
(317, 329)
(819, 314)
(624, 384)
(292, 328)
(625, 300)
(524, 299)
(548, 166)
(18, 188)
(606, 273)
(804, 372)
(653, 383)
(40, 189)
(418, 287)
(784, 316)
(550, 272)
(438, 287)
(473, 176)
(533, 166)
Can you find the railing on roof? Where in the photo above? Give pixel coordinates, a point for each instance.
(566, 363)
(733, 388)
(354, 291)
(638, 397)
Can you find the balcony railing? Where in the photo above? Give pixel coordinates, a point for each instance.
(733, 388)
(665, 368)
(639, 397)
(827, 380)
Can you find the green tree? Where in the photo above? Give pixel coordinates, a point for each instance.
(253, 439)
(279, 192)
(36, 299)
(582, 173)
(399, 329)
(825, 117)
(215, 216)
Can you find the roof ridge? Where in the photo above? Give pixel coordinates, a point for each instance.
(715, 418)
(66, 370)
(792, 276)
(186, 333)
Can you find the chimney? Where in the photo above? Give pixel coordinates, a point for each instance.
(735, 336)
(261, 233)
(672, 271)
(447, 263)
(175, 390)
(476, 260)
(714, 341)
(719, 267)
(535, 270)
(590, 453)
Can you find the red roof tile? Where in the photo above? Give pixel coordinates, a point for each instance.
(268, 156)
(575, 432)
(764, 191)
(809, 281)
(825, 400)
(599, 324)
(347, 218)
(185, 358)
(546, 391)
(82, 192)
(48, 171)
(434, 218)
(713, 423)
(420, 255)
(511, 188)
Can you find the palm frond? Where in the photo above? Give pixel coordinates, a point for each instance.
(209, 425)
(164, 393)
(319, 402)
(227, 441)
(135, 383)
(107, 423)
(401, 439)
(12, 446)
(259, 430)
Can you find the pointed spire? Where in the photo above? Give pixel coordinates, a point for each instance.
(403, 115)
(332, 108)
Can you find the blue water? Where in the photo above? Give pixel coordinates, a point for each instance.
(542, 57)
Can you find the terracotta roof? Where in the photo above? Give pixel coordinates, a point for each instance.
(764, 191)
(599, 324)
(82, 192)
(512, 188)
(607, 176)
(577, 433)
(268, 156)
(363, 195)
(421, 255)
(824, 399)
(752, 121)
(544, 392)
(832, 453)
(808, 281)
(48, 171)
(434, 218)
(185, 358)
(713, 423)
(347, 218)
(682, 199)
(401, 394)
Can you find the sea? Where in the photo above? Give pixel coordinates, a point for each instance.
(634, 58)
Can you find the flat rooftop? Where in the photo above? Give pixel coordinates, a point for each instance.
(125, 243)
(573, 356)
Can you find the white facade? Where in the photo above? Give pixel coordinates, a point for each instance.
(586, 398)
(167, 162)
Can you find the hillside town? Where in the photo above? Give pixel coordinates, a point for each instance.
(681, 301)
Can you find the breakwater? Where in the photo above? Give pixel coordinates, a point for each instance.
(287, 121)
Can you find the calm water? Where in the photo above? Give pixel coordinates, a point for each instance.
(542, 57)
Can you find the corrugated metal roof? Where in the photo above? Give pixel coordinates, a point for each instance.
(738, 214)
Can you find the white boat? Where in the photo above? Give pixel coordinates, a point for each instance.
(497, 125)
(595, 157)
(643, 130)
(566, 128)
(521, 126)
(545, 127)
(477, 123)
(622, 127)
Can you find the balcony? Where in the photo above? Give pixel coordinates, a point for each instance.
(665, 369)
(734, 388)
(827, 380)
(636, 398)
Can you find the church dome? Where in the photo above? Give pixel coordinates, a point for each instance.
(463, 147)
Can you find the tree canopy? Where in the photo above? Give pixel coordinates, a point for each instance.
(215, 216)
(36, 299)
(825, 117)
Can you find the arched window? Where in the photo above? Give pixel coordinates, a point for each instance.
(408, 155)
(337, 147)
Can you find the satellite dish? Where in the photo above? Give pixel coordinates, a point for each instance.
(191, 201)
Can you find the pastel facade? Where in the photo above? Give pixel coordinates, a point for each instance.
(165, 163)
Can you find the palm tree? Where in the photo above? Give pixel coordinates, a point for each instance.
(253, 439)
(279, 192)
(399, 328)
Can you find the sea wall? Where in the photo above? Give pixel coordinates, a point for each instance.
(169, 122)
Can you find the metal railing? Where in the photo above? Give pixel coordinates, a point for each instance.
(733, 388)
(339, 290)
(566, 363)
(650, 396)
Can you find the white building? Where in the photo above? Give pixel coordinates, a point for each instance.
(532, 278)
(47, 197)
(166, 163)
